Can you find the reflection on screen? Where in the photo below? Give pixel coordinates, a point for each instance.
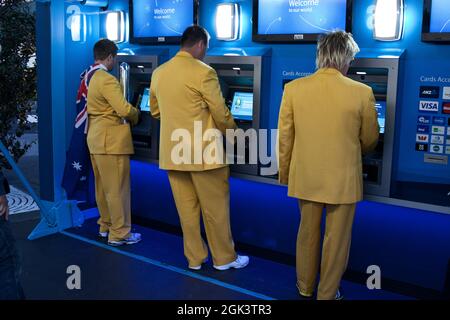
(145, 102)
(301, 16)
(381, 110)
(162, 18)
(242, 107)
(440, 16)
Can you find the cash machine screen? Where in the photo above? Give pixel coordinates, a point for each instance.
(440, 16)
(242, 106)
(381, 110)
(145, 101)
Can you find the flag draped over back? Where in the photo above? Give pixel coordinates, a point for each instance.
(77, 171)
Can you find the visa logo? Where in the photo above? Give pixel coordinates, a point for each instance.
(423, 129)
(423, 119)
(424, 138)
(429, 106)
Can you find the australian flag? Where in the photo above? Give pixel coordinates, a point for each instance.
(78, 169)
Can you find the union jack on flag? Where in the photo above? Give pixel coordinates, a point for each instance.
(78, 169)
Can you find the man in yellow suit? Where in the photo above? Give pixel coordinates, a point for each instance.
(110, 144)
(185, 93)
(326, 122)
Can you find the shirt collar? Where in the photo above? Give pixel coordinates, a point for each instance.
(184, 54)
(329, 71)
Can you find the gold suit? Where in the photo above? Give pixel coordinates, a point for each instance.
(110, 144)
(326, 122)
(184, 91)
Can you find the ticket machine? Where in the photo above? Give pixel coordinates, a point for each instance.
(380, 70)
(241, 74)
(134, 70)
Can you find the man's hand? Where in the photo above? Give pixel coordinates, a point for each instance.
(4, 208)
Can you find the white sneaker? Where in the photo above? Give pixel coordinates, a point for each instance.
(132, 239)
(240, 262)
(200, 266)
(103, 235)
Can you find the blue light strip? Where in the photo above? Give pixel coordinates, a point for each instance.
(170, 268)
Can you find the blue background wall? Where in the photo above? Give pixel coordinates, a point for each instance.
(409, 245)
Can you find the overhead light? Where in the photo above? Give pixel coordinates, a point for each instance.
(388, 20)
(115, 26)
(94, 3)
(227, 21)
(78, 27)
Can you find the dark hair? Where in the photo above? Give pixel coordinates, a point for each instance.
(193, 35)
(103, 48)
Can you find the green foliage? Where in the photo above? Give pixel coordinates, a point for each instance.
(17, 76)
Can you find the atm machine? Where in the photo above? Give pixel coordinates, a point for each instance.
(380, 70)
(134, 69)
(244, 76)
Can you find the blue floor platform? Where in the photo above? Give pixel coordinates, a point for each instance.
(152, 269)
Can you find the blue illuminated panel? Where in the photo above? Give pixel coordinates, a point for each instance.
(440, 16)
(301, 16)
(242, 107)
(145, 102)
(161, 18)
(381, 110)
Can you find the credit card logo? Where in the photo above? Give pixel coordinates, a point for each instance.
(439, 121)
(448, 131)
(423, 119)
(438, 130)
(447, 150)
(422, 138)
(446, 107)
(429, 106)
(437, 139)
(421, 147)
(434, 148)
(423, 129)
(446, 93)
(429, 92)
(447, 141)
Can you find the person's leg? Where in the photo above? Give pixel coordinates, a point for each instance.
(114, 173)
(11, 288)
(336, 248)
(308, 246)
(214, 195)
(188, 209)
(105, 218)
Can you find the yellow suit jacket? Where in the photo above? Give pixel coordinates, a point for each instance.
(326, 122)
(185, 90)
(107, 107)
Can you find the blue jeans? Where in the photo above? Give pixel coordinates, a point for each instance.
(10, 288)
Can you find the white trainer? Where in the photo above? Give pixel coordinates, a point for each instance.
(132, 239)
(239, 263)
(200, 266)
(103, 235)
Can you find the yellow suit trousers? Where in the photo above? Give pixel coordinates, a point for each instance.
(335, 251)
(206, 194)
(112, 191)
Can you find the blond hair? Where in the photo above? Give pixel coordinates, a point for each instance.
(336, 50)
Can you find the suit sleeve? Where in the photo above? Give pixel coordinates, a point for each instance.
(285, 141)
(154, 106)
(113, 94)
(4, 186)
(212, 95)
(370, 129)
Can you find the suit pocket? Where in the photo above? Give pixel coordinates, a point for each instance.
(119, 140)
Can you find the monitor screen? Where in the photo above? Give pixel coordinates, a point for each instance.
(381, 110)
(440, 16)
(242, 106)
(145, 101)
(160, 21)
(299, 20)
